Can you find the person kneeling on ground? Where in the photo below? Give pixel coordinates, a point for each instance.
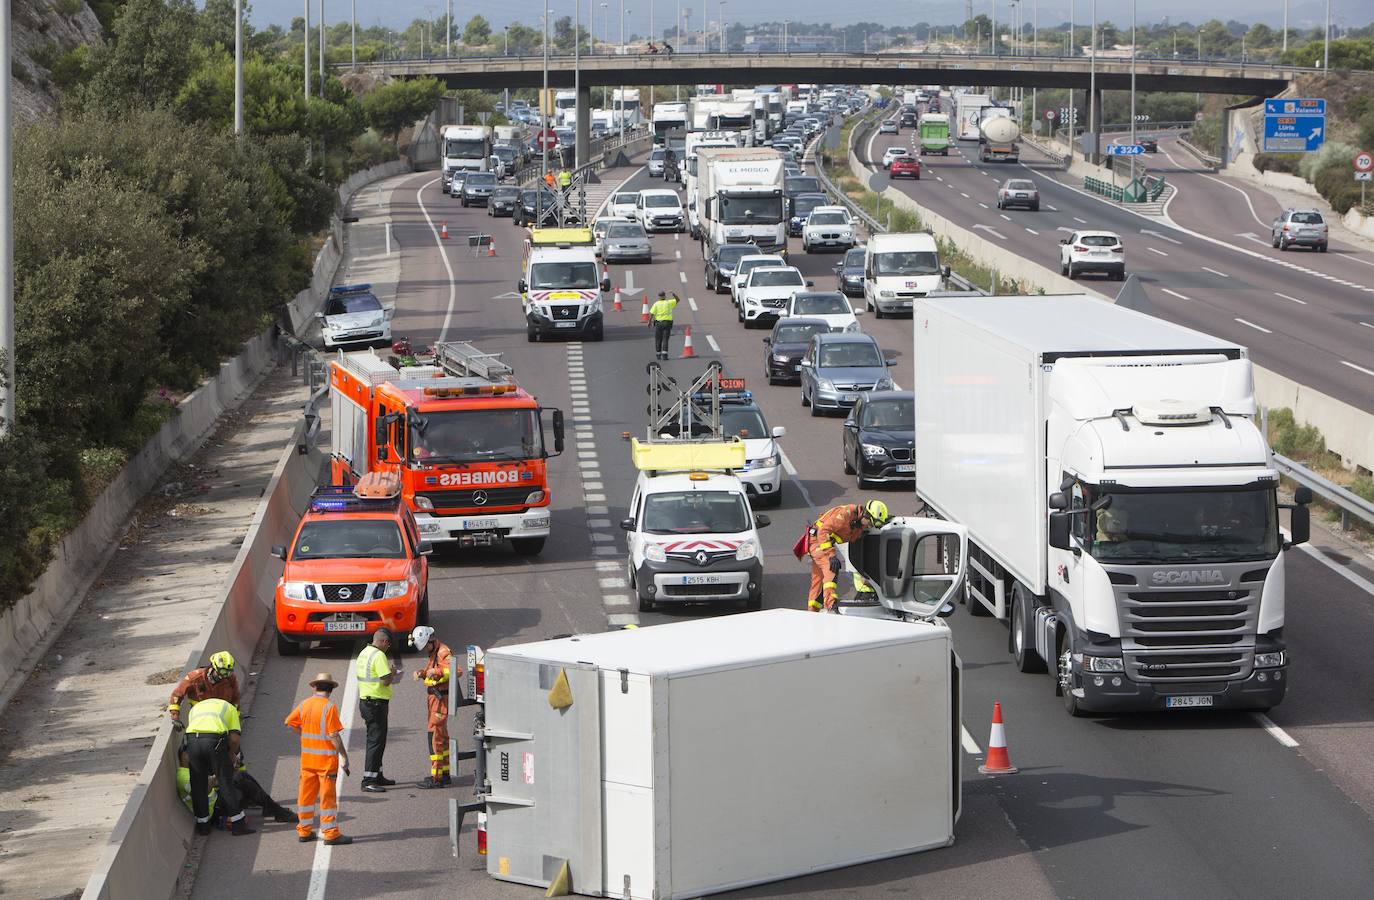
(250, 792)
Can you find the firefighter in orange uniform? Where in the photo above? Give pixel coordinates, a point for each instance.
(838, 525)
(317, 721)
(437, 673)
(215, 681)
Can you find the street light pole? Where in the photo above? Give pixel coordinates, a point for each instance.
(321, 48)
(620, 113)
(1285, 26)
(238, 67)
(544, 105)
(307, 49)
(1326, 40)
(6, 226)
(1092, 84)
(448, 28)
(353, 31)
(722, 25)
(1133, 71)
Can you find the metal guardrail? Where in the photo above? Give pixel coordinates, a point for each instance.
(1349, 502)
(1203, 156)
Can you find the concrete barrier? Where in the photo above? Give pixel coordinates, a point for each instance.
(29, 628)
(1349, 432)
(147, 848)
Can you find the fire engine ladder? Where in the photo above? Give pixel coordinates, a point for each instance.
(688, 411)
(462, 359)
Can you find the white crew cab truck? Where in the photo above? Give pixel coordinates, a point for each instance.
(898, 268)
(1120, 498)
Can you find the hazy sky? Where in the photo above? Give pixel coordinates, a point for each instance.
(1302, 13)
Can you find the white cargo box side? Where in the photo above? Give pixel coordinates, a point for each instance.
(980, 441)
(739, 751)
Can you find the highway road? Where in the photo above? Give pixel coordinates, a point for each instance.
(1180, 806)
(1306, 315)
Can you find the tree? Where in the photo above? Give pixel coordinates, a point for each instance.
(477, 32)
(215, 24)
(149, 57)
(391, 107)
(523, 39)
(979, 27)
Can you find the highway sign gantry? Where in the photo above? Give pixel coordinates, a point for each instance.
(1296, 125)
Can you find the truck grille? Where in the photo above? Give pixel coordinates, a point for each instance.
(1176, 634)
(344, 593)
(702, 590)
(711, 556)
(466, 499)
(564, 312)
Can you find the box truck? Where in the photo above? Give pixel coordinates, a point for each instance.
(968, 108)
(1120, 498)
(704, 756)
(934, 131)
(739, 198)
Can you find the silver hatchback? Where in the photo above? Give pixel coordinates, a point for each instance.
(1299, 228)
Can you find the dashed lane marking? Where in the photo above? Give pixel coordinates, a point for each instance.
(692, 302)
(607, 567)
(1299, 302)
(1357, 368)
(1080, 221)
(1174, 294)
(683, 276)
(1153, 250)
(711, 341)
(1261, 328)
(1275, 731)
(1033, 231)
(620, 620)
(1215, 272)
(970, 745)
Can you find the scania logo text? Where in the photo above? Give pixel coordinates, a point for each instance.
(1188, 576)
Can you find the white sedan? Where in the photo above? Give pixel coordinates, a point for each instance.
(829, 227)
(622, 204)
(831, 306)
(892, 153)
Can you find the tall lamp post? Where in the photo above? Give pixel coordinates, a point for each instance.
(238, 66)
(6, 227)
(307, 49)
(722, 25)
(1133, 78)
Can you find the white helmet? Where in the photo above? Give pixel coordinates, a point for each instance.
(420, 636)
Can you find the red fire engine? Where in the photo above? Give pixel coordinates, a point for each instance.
(465, 439)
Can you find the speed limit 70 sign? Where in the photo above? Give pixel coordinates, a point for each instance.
(1049, 114)
(1364, 162)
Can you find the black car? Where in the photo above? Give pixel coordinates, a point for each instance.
(720, 264)
(477, 188)
(880, 437)
(908, 120)
(1150, 144)
(503, 201)
(802, 204)
(850, 273)
(792, 185)
(525, 213)
(783, 349)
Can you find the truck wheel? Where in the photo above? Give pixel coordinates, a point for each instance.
(1022, 636)
(1064, 681)
(527, 546)
(286, 646)
(422, 614)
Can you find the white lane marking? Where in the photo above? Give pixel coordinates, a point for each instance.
(715, 348)
(1162, 237)
(1215, 272)
(1275, 731)
(1173, 293)
(692, 302)
(1343, 571)
(615, 600)
(592, 485)
(1367, 324)
(319, 868)
(1080, 221)
(1153, 250)
(1258, 327)
(1296, 300)
(678, 252)
(787, 464)
(607, 567)
(599, 538)
(683, 276)
(599, 523)
(1051, 208)
(938, 178)
(594, 498)
(1357, 368)
(1005, 216)
(448, 314)
(1033, 231)
(970, 745)
(962, 194)
(605, 550)
(598, 510)
(611, 584)
(676, 235)
(629, 280)
(1246, 195)
(622, 619)
(985, 206)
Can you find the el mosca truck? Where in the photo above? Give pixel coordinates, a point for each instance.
(1120, 499)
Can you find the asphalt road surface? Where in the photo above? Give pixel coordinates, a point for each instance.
(1179, 805)
(1306, 315)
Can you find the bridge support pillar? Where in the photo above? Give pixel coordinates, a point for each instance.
(1223, 150)
(583, 128)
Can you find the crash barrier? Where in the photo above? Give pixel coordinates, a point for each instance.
(1348, 431)
(28, 629)
(147, 849)
(302, 309)
(1103, 188)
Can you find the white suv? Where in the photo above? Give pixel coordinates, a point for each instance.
(829, 227)
(692, 537)
(748, 264)
(766, 294)
(1093, 251)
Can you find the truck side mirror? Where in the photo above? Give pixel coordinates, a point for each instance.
(1058, 500)
(627, 524)
(1299, 525)
(762, 521)
(1059, 531)
(279, 551)
(944, 271)
(558, 431)
(381, 433)
(522, 286)
(605, 285)
(425, 548)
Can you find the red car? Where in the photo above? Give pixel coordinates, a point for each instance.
(906, 167)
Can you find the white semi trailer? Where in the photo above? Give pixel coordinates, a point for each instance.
(1120, 498)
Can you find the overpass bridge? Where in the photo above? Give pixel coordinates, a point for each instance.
(986, 70)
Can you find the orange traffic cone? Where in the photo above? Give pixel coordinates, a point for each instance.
(644, 310)
(998, 761)
(687, 351)
(617, 307)
(443, 231)
(491, 247)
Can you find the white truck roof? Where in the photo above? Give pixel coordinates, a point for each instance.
(901, 240)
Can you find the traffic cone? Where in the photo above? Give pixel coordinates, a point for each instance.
(491, 247)
(998, 761)
(617, 307)
(687, 351)
(644, 310)
(443, 231)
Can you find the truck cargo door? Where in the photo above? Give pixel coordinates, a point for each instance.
(543, 756)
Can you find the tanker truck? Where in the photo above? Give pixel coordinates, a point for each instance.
(997, 136)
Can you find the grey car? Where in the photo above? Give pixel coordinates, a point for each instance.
(1299, 228)
(625, 240)
(838, 367)
(477, 188)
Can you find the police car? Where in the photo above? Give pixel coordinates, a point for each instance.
(692, 535)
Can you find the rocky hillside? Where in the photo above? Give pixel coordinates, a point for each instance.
(44, 31)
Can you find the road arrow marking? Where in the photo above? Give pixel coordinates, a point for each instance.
(992, 231)
(1162, 237)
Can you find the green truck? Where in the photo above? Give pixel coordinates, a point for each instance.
(934, 129)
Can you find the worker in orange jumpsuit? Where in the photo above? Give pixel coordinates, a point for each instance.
(437, 674)
(317, 721)
(838, 525)
(215, 681)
